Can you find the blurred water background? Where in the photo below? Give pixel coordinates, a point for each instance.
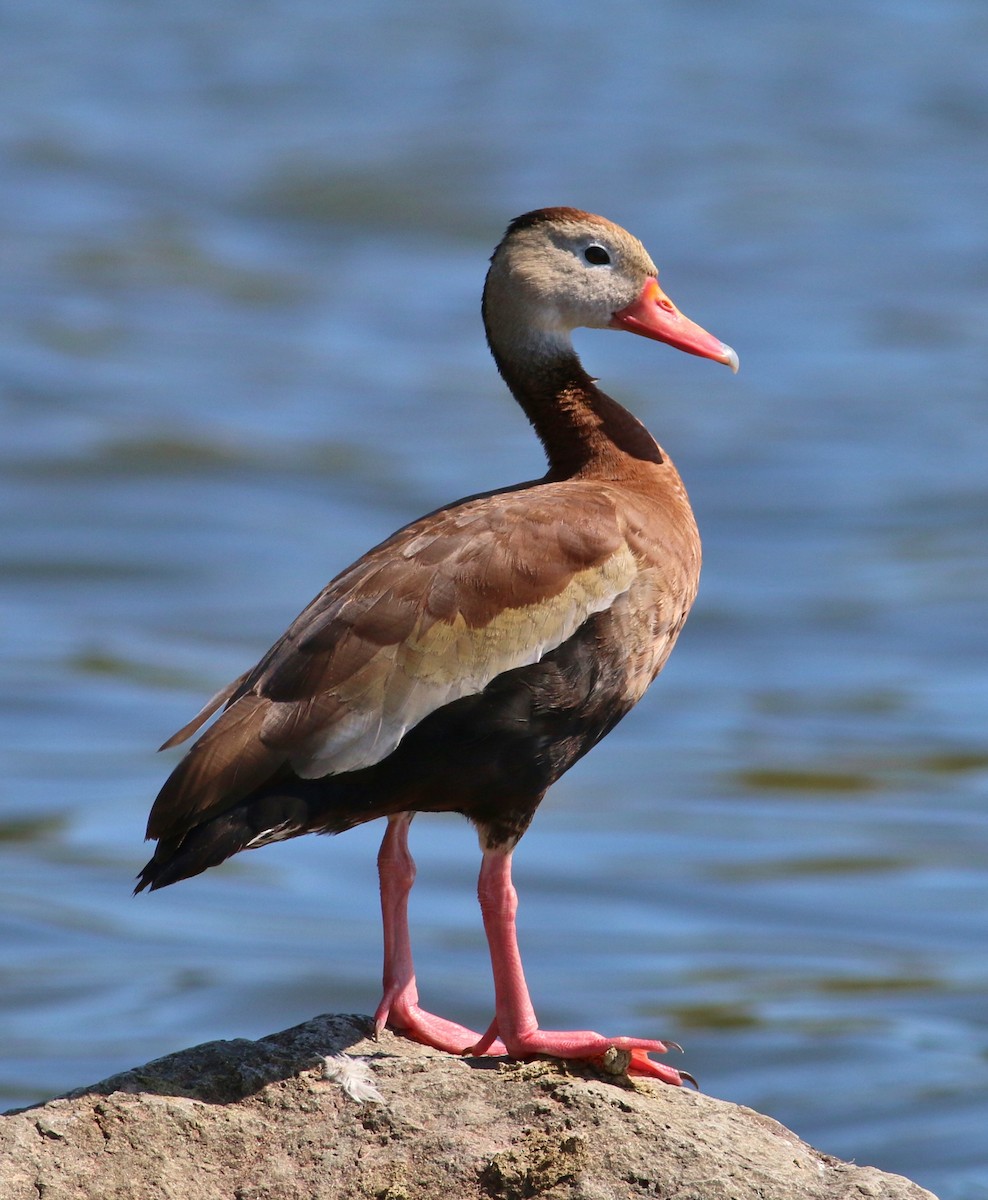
(242, 250)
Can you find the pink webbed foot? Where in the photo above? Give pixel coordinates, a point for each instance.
(401, 1013)
(584, 1044)
(642, 1065)
(515, 1021)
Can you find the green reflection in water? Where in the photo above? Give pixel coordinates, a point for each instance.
(880, 984)
(23, 828)
(835, 864)
(102, 663)
(714, 1016)
(790, 779)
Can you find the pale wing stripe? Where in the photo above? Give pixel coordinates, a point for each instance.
(403, 684)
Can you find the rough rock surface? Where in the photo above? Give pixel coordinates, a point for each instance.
(246, 1120)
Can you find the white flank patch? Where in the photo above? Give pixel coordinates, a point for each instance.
(403, 684)
(354, 1076)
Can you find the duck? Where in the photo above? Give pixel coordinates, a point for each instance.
(470, 659)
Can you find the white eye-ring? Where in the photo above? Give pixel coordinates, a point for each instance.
(597, 256)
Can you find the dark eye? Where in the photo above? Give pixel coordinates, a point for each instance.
(597, 256)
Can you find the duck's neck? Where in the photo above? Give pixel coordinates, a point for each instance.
(583, 430)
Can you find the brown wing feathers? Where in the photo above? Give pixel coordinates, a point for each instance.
(433, 614)
(226, 764)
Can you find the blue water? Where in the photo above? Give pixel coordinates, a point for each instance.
(242, 248)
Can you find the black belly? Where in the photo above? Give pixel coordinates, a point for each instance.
(490, 756)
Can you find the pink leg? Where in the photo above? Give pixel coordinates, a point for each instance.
(515, 1019)
(399, 1006)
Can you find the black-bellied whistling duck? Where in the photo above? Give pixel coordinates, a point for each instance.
(466, 662)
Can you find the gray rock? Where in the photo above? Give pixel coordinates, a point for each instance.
(246, 1120)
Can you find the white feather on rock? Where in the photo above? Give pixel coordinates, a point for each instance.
(354, 1076)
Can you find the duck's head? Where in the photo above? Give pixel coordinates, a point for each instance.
(560, 269)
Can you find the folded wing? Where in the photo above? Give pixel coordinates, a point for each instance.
(433, 614)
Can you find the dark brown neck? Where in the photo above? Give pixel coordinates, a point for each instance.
(583, 430)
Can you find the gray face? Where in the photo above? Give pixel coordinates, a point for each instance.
(559, 275)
